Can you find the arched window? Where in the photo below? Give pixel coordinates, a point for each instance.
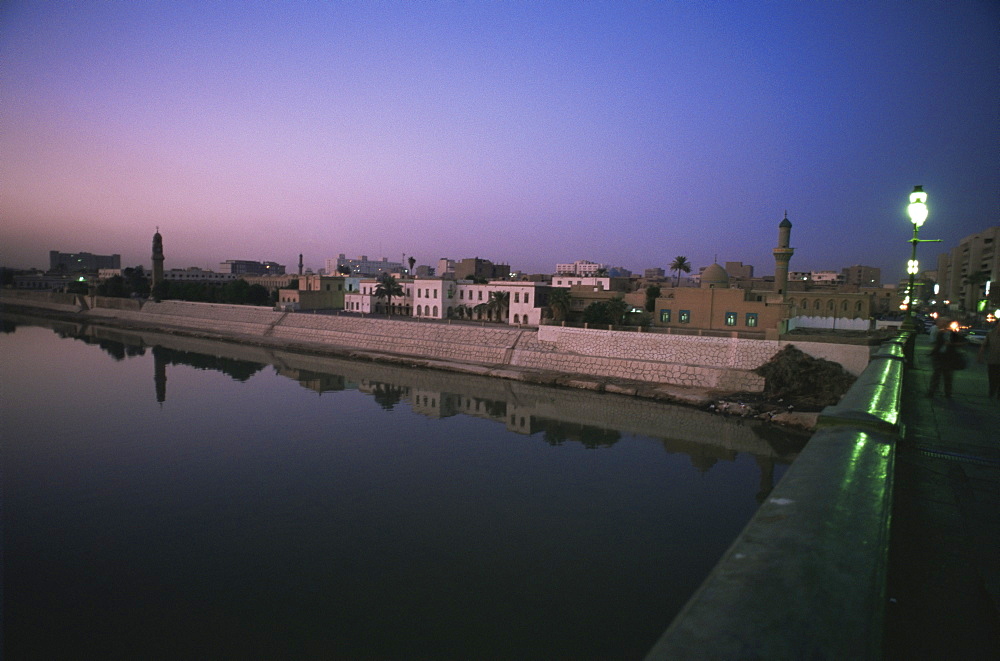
(419, 309)
(816, 305)
(435, 311)
(843, 306)
(517, 319)
(829, 304)
(805, 304)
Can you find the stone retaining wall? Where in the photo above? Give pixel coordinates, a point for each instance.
(712, 363)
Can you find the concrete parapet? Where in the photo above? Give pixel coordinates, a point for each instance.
(806, 578)
(873, 401)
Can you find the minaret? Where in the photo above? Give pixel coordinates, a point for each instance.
(782, 255)
(157, 258)
(300, 263)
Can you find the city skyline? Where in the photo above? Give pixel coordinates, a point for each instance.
(529, 135)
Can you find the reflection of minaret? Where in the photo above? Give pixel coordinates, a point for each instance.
(160, 374)
(300, 263)
(766, 465)
(782, 255)
(157, 258)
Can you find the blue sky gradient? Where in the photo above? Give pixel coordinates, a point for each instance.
(530, 133)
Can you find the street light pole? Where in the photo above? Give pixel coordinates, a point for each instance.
(917, 210)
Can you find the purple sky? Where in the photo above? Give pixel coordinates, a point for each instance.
(525, 132)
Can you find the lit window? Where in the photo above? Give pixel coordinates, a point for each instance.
(665, 316)
(752, 319)
(730, 318)
(684, 317)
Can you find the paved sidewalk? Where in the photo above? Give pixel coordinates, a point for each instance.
(944, 555)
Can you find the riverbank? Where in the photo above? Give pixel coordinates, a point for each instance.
(692, 370)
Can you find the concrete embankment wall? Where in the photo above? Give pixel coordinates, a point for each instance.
(806, 579)
(709, 363)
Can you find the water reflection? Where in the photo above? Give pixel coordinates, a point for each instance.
(558, 415)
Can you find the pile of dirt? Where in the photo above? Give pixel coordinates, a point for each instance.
(799, 380)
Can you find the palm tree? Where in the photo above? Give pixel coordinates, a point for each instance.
(560, 303)
(386, 288)
(499, 304)
(411, 260)
(679, 264)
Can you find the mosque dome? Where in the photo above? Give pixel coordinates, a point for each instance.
(714, 276)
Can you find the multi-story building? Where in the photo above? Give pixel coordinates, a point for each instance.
(74, 262)
(863, 276)
(606, 283)
(439, 298)
(195, 274)
(362, 267)
(964, 270)
(581, 267)
(248, 267)
(654, 274)
(315, 292)
(474, 267)
(739, 270)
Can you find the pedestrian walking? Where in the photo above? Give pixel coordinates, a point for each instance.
(989, 353)
(945, 356)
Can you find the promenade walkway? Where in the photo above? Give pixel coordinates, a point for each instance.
(944, 556)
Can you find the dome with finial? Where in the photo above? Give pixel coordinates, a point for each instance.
(714, 276)
(785, 222)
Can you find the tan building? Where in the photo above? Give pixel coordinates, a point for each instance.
(976, 253)
(315, 292)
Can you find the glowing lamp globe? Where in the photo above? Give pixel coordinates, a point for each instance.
(917, 209)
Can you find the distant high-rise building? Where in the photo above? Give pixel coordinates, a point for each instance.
(247, 267)
(652, 274)
(863, 276)
(739, 270)
(72, 262)
(581, 267)
(474, 267)
(975, 254)
(362, 266)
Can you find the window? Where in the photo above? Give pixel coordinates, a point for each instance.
(684, 317)
(752, 319)
(516, 297)
(435, 310)
(526, 297)
(730, 318)
(480, 294)
(419, 293)
(517, 319)
(665, 316)
(461, 293)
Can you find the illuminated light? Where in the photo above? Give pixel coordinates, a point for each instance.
(953, 326)
(934, 315)
(913, 266)
(937, 289)
(988, 283)
(81, 279)
(917, 209)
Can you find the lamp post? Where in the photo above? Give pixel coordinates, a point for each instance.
(917, 210)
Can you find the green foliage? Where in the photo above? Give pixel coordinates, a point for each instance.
(611, 313)
(386, 288)
(560, 303)
(679, 264)
(498, 305)
(652, 293)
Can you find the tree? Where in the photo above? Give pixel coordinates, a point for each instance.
(652, 293)
(601, 272)
(411, 260)
(560, 303)
(679, 264)
(386, 288)
(611, 313)
(498, 304)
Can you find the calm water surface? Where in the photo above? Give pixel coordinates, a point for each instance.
(175, 498)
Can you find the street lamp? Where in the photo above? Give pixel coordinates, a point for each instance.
(917, 210)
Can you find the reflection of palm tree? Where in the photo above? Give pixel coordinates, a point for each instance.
(386, 288)
(498, 304)
(679, 264)
(560, 303)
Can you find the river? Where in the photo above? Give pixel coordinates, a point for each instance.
(167, 497)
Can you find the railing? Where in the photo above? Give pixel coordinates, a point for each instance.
(806, 578)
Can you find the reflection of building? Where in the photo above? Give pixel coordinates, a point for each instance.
(74, 262)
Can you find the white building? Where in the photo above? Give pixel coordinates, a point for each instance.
(362, 266)
(437, 298)
(582, 267)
